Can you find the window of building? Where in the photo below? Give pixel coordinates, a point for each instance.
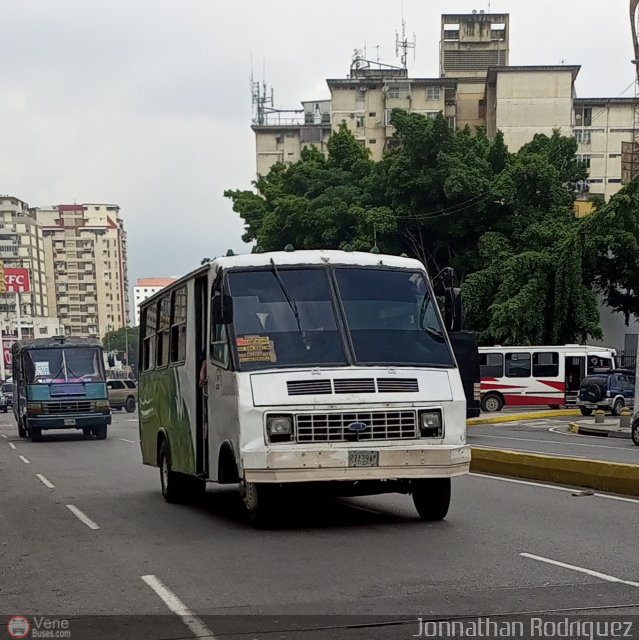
(178, 325)
(372, 114)
(583, 116)
(43, 331)
(393, 91)
(585, 160)
(614, 180)
(451, 121)
(360, 122)
(432, 93)
(373, 141)
(583, 136)
(546, 365)
(360, 95)
(518, 365)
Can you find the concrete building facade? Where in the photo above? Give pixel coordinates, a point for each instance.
(85, 248)
(145, 288)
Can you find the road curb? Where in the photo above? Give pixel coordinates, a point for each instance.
(515, 417)
(614, 477)
(586, 430)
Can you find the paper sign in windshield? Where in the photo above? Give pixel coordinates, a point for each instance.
(42, 369)
(255, 349)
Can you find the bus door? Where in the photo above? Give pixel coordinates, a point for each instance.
(575, 373)
(201, 350)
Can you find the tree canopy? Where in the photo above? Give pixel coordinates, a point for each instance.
(530, 270)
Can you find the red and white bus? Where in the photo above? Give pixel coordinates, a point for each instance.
(522, 376)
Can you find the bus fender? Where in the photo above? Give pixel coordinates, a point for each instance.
(227, 469)
(161, 437)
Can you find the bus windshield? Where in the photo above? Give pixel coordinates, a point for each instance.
(392, 318)
(284, 317)
(288, 317)
(71, 364)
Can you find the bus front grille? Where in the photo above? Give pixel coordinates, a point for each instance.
(67, 407)
(355, 427)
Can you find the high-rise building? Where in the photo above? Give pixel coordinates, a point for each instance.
(85, 248)
(144, 289)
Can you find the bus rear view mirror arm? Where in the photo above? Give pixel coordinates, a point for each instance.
(222, 311)
(453, 309)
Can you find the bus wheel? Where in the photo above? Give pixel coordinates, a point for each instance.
(36, 434)
(130, 404)
(259, 502)
(173, 485)
(100, 432)
(431, 498)
(492, 402)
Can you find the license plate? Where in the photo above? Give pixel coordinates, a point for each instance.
(69, 422)
(363, 458)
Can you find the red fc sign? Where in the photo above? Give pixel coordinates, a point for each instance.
(17, 280)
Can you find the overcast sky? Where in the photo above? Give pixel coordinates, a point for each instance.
(146, 104)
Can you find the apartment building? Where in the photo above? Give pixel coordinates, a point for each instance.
(22, 246)
(144, 289)
(85, 247)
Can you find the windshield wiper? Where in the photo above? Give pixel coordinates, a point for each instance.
(289, 298)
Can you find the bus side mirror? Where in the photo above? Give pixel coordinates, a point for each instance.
(222, 309)
(453, 309)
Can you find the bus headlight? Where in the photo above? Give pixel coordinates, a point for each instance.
(102, 405)
(279, 428)
(430, 424)
(34, 407)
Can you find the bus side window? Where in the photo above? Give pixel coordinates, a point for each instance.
(219, 345)
(518, 365)
(546, 365)
(491, 365)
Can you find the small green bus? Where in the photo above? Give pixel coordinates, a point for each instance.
(60, 383)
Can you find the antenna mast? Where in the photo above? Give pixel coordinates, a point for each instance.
(402, 44)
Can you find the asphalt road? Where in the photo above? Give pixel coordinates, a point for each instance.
(86, 535)
(553, 436)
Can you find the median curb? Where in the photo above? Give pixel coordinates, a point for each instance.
(613, 477)
(602, 432)
(532, 415)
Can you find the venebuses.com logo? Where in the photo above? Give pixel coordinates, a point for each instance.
(18, 627)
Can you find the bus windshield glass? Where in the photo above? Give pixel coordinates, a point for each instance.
(71, 364)
(284, 317)
(392, 318)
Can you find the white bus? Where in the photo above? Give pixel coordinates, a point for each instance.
(522, 376)
(326, 370)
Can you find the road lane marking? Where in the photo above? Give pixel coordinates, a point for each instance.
(575, 444)
(590, 572)
(44, 481)
(552, 486)
(13, 446)
(4, 435)
(81, 516)
(25, 460)
(195, 625)
(125, 440)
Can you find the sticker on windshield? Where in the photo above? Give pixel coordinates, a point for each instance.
(256, 349)
(42, 369)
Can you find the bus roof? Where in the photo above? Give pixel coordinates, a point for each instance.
(56, 342)
(579, 348)
(293, 258)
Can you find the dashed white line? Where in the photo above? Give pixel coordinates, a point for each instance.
(4, 435)
(590, 572)
(13, 446)
(195, 624)
(82, 517)
(44, 481)
(551, 486)
(125, 440)
(25, 460)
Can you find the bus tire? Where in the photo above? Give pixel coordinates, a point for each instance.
(36, 434)
(555, 407)
(492, 402)
(100, 432)
(173, 484)
(431, 498)
(130, 404)
(260, 503)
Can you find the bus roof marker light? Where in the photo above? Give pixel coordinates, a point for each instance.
(289, 248)
(258, 249)
(347, 247)
(230, 253)
(375, 249)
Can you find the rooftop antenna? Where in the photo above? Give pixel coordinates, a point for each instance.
(403, 44)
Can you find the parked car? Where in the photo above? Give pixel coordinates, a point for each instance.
(4, 405)
(123, 394)
(610, 391)
(6, 391)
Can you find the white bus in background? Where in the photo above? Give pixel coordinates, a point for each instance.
(523, 376)
(326, 370)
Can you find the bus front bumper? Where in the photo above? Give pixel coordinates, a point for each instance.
(309, 465)
(69, 422)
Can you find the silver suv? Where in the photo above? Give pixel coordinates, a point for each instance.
(123, 394)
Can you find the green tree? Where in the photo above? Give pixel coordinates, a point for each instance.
(117, 341)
